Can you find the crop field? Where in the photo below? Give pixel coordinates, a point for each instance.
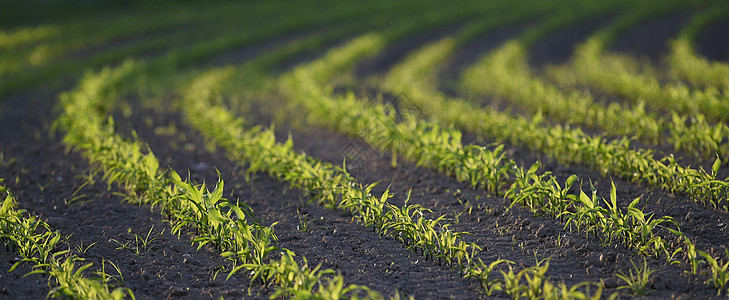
(325, 149)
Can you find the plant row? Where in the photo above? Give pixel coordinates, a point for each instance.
(505, 74)
(616, 74)
(37, 245)
(189, 47)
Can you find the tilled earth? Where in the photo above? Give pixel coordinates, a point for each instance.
(59, 186)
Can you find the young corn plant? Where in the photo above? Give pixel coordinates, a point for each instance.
(70, 283)
(691, 255)
(141, 244)
(637, 282)
(540, 193)
(483, 272)
(304, 223)
(531, 283)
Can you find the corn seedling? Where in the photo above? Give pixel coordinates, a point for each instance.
(482, 272)
(105, 277)
(81, 249)
(637, 282)
(140, 245)
(304, 223)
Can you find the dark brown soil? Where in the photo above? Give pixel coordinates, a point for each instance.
(14, 285)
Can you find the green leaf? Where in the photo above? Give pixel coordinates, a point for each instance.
(614, 195)
(570, 180)
(715, 166)
(8, 204)
(586, 200)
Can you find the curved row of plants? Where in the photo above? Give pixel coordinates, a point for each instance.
(189, 47)
(616, 74)
(35, 46)
(546, 195)
(505, 73)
